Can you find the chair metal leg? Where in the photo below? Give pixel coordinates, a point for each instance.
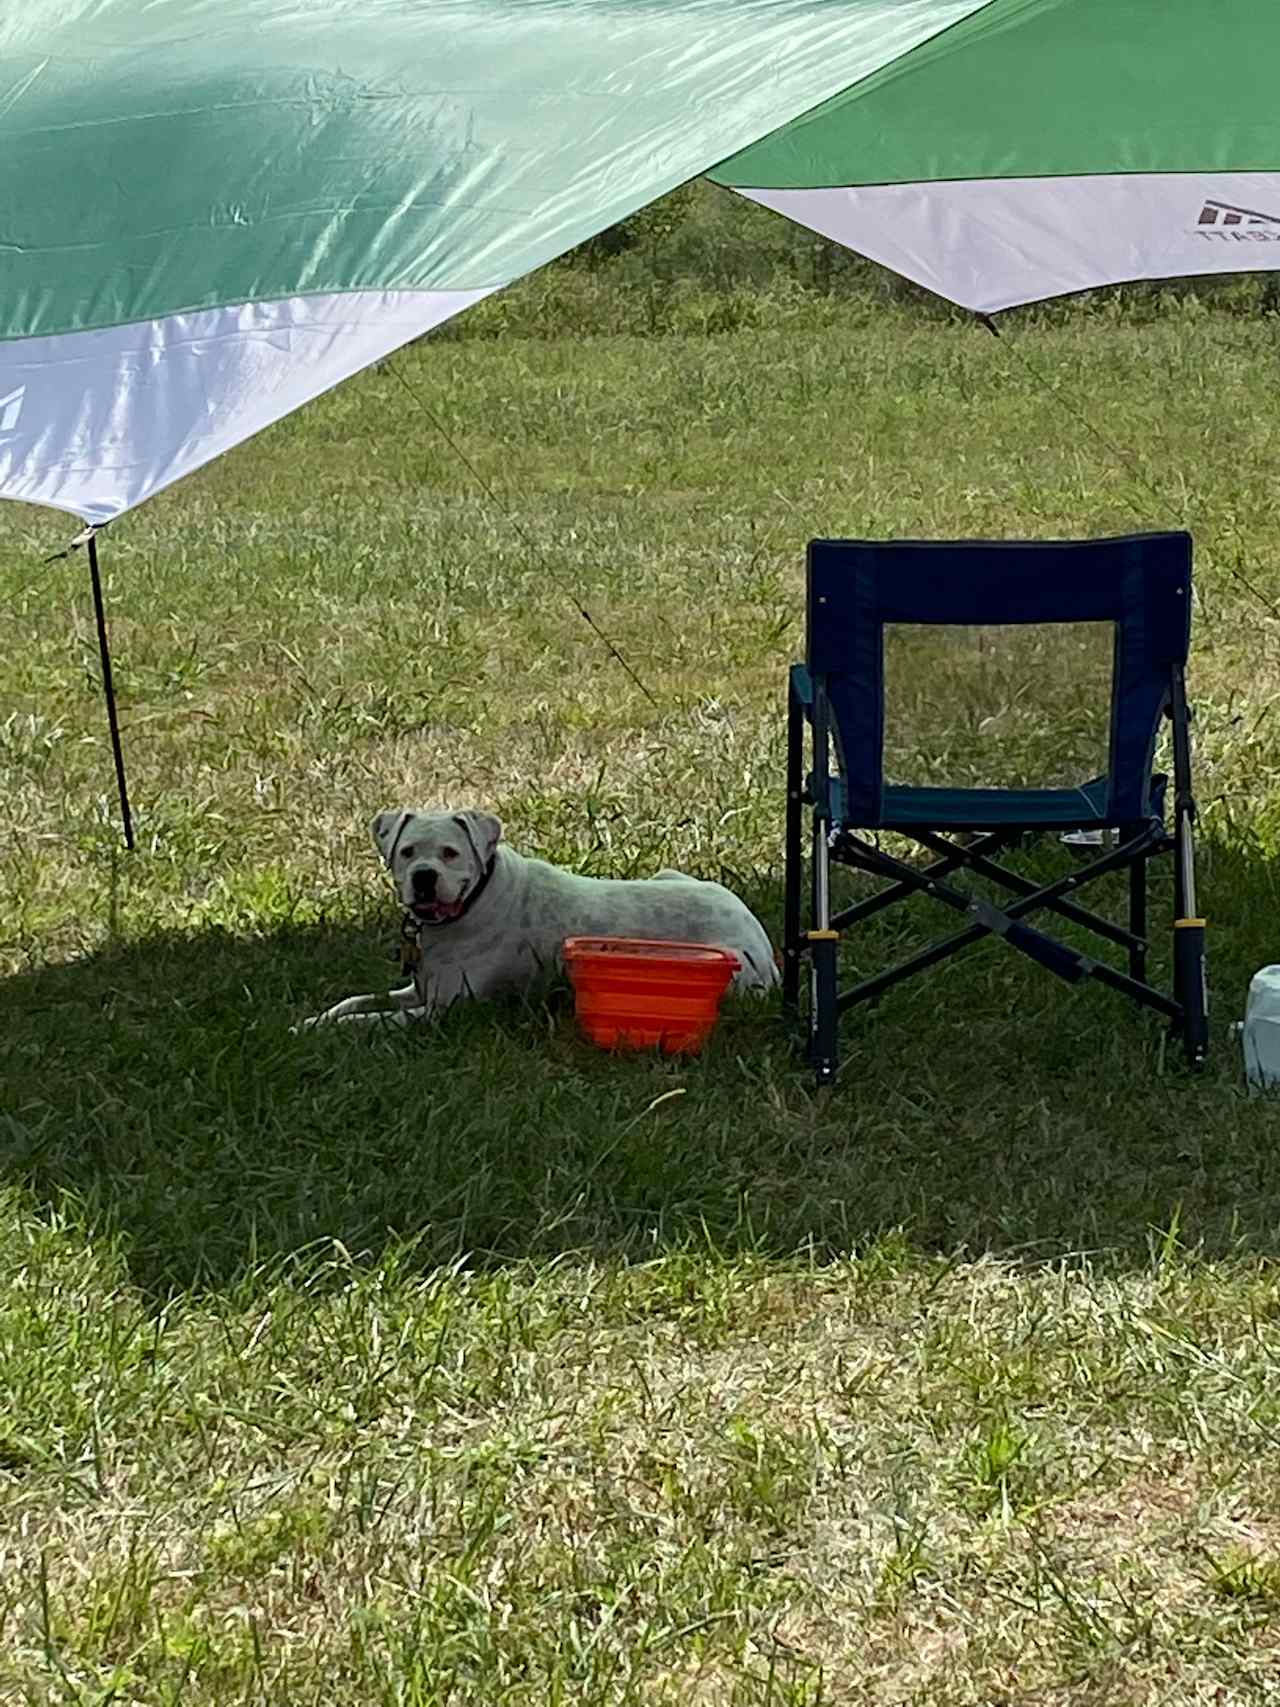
(1137, 913)
(1188, 946)
(824, 1018)
(793, 855)
(1189, 987)
(1188, 927)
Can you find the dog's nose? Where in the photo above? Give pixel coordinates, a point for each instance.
(424, 884)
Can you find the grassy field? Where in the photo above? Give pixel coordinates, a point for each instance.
(477, 1367)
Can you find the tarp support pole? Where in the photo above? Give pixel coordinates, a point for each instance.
(108, 688)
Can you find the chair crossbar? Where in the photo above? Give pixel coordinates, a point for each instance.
(983, 867)
(953, 859)
(1048, 951)
(869, 989)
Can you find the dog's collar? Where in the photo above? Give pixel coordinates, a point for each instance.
(412, 927)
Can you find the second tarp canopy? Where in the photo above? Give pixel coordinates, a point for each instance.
(1046, 146)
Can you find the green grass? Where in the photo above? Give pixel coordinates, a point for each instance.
(476, 1366)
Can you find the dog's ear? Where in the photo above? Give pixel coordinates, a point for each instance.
(482, 830)
(386, 829)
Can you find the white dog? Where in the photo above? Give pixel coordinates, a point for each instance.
(486, 919)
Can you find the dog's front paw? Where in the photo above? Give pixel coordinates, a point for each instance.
(306, 1025)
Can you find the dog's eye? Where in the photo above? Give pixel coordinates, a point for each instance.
(408, 853)
(448, 853)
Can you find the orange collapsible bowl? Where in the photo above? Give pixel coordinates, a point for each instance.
(635, 994)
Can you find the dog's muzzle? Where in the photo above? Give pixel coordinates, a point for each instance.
(423, 904)
(423, 901)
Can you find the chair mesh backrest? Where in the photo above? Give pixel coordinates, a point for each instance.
(1140, 582)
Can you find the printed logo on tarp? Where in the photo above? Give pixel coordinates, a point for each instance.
(11, 409)
(1221, 222)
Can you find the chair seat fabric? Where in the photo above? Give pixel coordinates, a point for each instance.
(1083, 808)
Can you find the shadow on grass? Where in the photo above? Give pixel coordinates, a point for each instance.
(983, 1107)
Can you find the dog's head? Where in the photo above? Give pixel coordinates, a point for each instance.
(436, 858)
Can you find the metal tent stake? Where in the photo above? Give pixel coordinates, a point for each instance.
(108, 688)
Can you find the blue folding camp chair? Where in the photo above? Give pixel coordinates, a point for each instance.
(1141, 585)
